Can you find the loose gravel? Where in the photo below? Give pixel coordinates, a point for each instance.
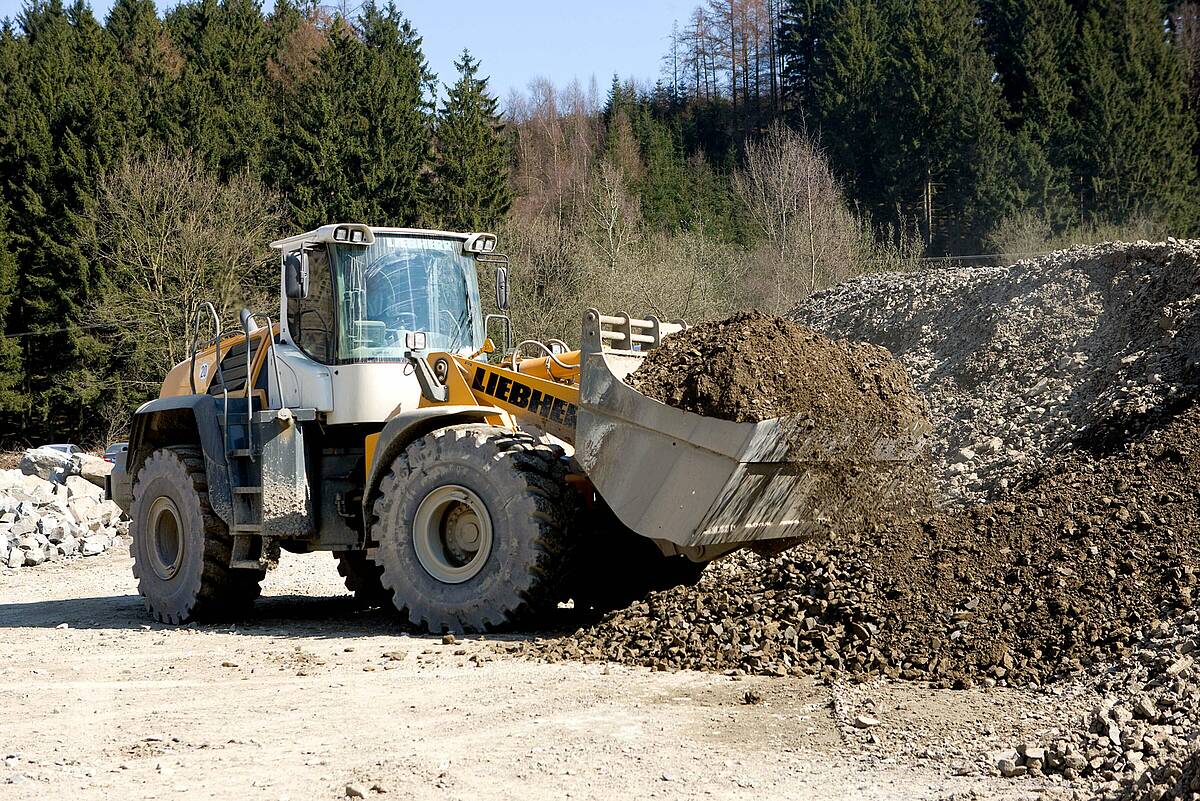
(1065, 552)
(1020, 362)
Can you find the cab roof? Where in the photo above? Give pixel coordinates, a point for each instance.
(326, 234)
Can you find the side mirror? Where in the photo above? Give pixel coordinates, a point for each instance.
(295, 275)
(502, 288)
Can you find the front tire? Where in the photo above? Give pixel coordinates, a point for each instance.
(181, 549)
(471, 525)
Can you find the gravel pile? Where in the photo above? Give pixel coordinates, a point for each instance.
(1137, 742)
(1061, 391)
(1053, 581)
(1176, 779)
(1018, 362)
(49, 511)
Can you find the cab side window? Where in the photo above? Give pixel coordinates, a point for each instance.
(310, 319)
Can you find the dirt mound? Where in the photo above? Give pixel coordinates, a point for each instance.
(1063, 575)
(1086, 346)
(752, 367)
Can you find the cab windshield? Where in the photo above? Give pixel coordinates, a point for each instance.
(402, 284)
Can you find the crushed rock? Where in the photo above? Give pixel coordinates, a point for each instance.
(42, 520)
(1060, 578)
(1020, 362)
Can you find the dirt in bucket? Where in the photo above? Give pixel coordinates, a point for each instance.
(753, 367)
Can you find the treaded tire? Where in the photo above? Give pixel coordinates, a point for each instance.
(522, 483)
(203, 587)
(361, 577)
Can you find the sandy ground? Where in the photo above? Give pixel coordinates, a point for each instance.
(309, 696)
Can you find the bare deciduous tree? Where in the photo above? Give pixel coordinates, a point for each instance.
(168, 237)
(614, 216)
(792, 195)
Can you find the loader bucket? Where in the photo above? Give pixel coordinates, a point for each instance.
(698, 481)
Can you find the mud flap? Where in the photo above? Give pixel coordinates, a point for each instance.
(287, 508)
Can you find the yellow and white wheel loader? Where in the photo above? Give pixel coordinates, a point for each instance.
(469, 488)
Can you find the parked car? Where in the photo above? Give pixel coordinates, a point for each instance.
(116, 451)
(66, 448)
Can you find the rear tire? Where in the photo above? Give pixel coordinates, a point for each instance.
(471, 525)
(181, 549)
(361, 577)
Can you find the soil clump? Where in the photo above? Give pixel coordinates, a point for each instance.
(754, 367)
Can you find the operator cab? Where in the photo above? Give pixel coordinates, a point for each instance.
(353, 296)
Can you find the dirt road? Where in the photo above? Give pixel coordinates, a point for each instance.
(310, 696)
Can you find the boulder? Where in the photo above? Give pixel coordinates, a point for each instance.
(45, 463)
(26, 525)
(82, 509)
(82, 487)
(93, 546)
(92, 468)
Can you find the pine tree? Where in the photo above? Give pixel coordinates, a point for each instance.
(1032, 43)
(848, 98)
(947, 155)
(224, 97)
(1134, 149)
(149, 68)
(355, 137)
(803, 32)
(12, 397)
(663, 184)
(712, 207)
(64, 133)
(472, 191)
(400, 141)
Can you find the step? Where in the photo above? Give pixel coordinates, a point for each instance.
(242, 453)
(247, 490)
(263, 416)
(246, 528)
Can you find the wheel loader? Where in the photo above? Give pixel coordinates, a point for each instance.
(468, 482)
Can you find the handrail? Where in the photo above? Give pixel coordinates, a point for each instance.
(196, 338)
(248, 320)
(274, 358)
(220, 372)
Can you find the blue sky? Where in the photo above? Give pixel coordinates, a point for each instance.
(519, 40)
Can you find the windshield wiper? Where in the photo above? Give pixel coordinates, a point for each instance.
(461, 324)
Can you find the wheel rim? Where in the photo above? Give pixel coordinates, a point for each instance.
(452, 534)
(166, 538)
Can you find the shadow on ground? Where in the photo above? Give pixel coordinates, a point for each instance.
(278, 615)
